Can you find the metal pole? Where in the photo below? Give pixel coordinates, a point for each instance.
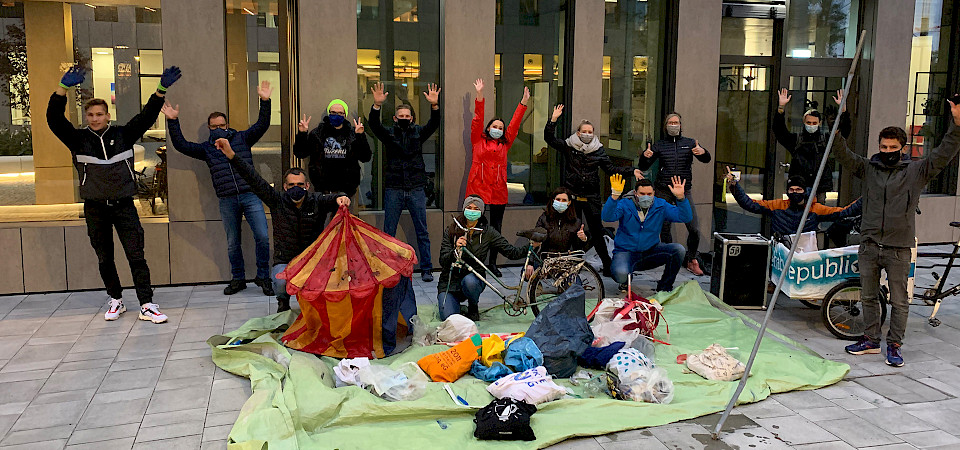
(793, 246)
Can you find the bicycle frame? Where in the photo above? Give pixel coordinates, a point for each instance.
(460, 263)
(938, 292)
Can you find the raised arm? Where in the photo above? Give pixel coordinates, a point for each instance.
(180, 144)
(852, 210)
(681, 212)
(938, 158)
(611, 210)
(745, 202)
(476, 125)
(259, 186)
(376, 126)
(142, 122)
(433, 97)
(787, 139)
(57, 119)
(550, 131)
(257, 130)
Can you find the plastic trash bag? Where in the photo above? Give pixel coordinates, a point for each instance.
(423, 334)
(407, 382)
(491, 350)
(523, 354)
(533, 386)
(561, 332)
(449, 365)
(488, 374)
(346, 371)
(593, 259)
(714, 363)
(456, 328)
(645, 346)
(650, 385)
(627, 362)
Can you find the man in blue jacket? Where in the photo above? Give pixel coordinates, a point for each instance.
(641, 215)
(236, 198)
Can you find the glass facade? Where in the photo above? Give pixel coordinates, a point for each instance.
(821, 28)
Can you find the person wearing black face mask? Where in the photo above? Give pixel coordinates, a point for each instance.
(404, 172)
(891, 186)
(786, 214)
(298, 215)
(234, 195)
(336, 149)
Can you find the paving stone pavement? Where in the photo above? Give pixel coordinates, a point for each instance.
(69, 379)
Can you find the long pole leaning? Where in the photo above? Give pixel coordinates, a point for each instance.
(793, 245)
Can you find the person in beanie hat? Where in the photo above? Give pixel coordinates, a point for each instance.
(336, 148)
(469, 230)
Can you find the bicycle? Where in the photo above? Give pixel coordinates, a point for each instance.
(555, 274)
(934, 295)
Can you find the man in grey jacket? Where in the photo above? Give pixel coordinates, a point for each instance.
(891, 186)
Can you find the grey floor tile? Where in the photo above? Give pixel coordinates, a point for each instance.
(137, 364)
(170, 431)
(106, 434)
(187, 368)
(20, 391)
(644, 443)
(7, 421)
(894, 420)
(84, 364)
(858, 432)
(74, 380)
(179, 383)
(192, 397)
(802, 400)
(821, 414)
(835, 445)
(179, 443)
(946, 420)
(932, 438)
(213, 445)
(115, 413)
(123, 380)
(216, 433)
(84, 395)
(902, 389)
(221, 418)
(900, 446)
(125, 443)
(168, 418)
(765, 409)
(796, 430)
(55, 444)
(10, 345)
(753, 437)
(37, 435)
(587, 443)
(687, 436)
(9, 377)
(50, 415)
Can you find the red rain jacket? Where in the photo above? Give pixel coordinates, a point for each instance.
(488, 171)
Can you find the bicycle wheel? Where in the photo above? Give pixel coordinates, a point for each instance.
(543, 289)
(842, 310)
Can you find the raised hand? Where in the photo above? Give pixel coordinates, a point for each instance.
(784, 97)
(638, 174)
(433, 94)
(478, 85)
(678, 187)
(526, 96)
(73, 77)
(581, 234)
(648, 153)
(557, 111)
(616, 184)
(170, 112)
(343, 200)
(955, 110)
(379, 96)
(731, 178)
(303, 125)
(264, 90)
(697, 149)
(357, 126)
(839, 98)
(224, 146)
(170, 75)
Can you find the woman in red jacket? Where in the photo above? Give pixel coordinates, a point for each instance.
(488, 171)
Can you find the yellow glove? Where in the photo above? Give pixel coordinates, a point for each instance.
(616, 184)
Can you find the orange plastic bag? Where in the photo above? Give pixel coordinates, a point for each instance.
(449, 365)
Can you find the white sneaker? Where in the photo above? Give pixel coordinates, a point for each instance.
(116, 308)
(151, 312)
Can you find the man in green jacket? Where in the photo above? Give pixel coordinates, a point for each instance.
(891, 186)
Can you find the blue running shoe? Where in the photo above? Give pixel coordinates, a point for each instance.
(863, 347)
(893, 355)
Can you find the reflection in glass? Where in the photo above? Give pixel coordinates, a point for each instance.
(821, 28)
(746, 36)
(815, 93)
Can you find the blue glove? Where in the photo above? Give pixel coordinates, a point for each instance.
(73, 77)
(170, 75)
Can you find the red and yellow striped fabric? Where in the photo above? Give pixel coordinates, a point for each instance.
(339, 283)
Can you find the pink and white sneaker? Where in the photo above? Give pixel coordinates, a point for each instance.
(151, 312)
(116, 308)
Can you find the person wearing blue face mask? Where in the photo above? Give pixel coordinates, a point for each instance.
(469, 230)
(641, 215)
(336, 148)
(298, 215)
(565, 231)
(234, 195)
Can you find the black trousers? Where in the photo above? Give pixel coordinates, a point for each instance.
(496, 221)
(693, 226)
(589, 212)
(102, 217)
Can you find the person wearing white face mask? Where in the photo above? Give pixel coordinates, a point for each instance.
(806, 147)
(488, 169)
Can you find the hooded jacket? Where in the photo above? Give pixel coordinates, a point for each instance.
(891, 193)
(403, 150)
(580, 169)
(561, 234)
(335, 156)
(785, 218)
(294, 229)
(104, 160)
(226, 182)
(676, 158)
(488, 170)
(479, 244)
(806, 150)
(635, 235)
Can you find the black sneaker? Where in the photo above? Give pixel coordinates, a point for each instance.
(427, 276)
(622, 287)
(234, 287)
(473, 312)
(496, 272)
(283, 305)
(266, 285)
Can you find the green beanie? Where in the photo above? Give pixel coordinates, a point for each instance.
(337, 101)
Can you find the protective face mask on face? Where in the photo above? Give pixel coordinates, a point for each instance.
(560, 206)
(673, 130)
(586, 138)
(335, 119)
(890, 158)
(218, 133)
(495, 133)
(403, 123)
(472, 214)
(811, 128)
(296, 193)
(644, 201)
(796, 198)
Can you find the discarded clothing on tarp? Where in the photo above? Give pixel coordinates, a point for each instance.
(339, 282)
(505, 419)
(714, 363)
(488, 374)
(597, 358)
(533, 386)
(561, 332)
(523, 354)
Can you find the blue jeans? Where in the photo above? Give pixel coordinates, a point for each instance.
(398, 300)
(279, 286)
(232, 211)
(470, 289)
(670, 256)
(415, 201)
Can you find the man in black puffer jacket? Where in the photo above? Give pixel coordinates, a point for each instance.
(298, 216)
(335, 148)
(103, 156)
(236, 200)
(676, 153)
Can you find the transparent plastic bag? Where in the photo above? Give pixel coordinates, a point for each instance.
(423, 334)
(407, 382)
(649, 385)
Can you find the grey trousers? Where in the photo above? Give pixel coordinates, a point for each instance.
(896, 262)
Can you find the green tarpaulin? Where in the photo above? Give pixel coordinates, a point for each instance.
(295, 406)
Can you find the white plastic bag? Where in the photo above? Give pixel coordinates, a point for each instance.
(346, 371)
(422, 333)
(406, 383)
(808, 242)
(714, 363)
(649, 385)
(456, 328)
(533, 386)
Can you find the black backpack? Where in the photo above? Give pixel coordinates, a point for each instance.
(505, 419)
